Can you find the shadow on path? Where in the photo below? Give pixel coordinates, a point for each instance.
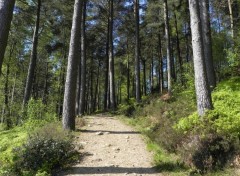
(110, 132)
(111, 170)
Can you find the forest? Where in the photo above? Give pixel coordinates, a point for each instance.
(169, 68)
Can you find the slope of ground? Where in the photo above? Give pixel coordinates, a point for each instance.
(111, 148)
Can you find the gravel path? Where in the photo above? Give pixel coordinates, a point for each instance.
(110, 147)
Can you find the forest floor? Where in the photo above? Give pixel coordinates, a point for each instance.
(109, 147)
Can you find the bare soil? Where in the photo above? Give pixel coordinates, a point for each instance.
(109, 147)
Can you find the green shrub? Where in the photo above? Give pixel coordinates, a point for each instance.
(208, 153)
(212, 138)
(47, 148)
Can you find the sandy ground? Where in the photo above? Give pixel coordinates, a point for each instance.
(110, 147)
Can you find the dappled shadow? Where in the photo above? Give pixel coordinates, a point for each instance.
(109, 170)
(170, 167)
(110, 132)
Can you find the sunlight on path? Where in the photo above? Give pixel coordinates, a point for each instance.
(111, 148)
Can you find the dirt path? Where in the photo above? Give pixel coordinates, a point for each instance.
(112, 148)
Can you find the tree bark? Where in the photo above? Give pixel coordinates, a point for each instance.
(68, 120)
(106, 90)
(6, 90)
(137, 52)
(96, 88)
(111, 60)
(167, 34)
(128, 73)
(231, 16)
(178, 49)
(45, 92)
(6, 13)
(204, 101)
(33, 59)
(83, 62)
(207, 42)
(144, 77)
(160, 72)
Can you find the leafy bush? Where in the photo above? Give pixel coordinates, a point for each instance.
(207, 153)
(37, 110)
(212, 138)
(47, 148)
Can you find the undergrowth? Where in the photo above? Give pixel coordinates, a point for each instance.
(37, 147)
(201, 145)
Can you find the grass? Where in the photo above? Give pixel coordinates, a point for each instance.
(10, 140)
(167, 163)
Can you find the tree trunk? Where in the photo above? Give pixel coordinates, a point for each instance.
(111, 60)
(173, 63)
(45, 92)
(106, 90)
(83, 62)
(178, 49)
(96, 88)
(231, 16)
(144, 77)
(6, 91)
(167, 34)
(137, 52)
(68, 120)
(128, 73)
(160, 73)
(33, 59)
(204, 101)
(6, 13)
(207, 42)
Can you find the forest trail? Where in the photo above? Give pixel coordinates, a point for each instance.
(110, 147)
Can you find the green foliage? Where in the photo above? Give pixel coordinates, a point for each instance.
(225, 118)
(38, 115)
(46, 149)
(9, 141)
(206, 143)
(188, 77)
(213, 138)
(164, 161)
(36, 110)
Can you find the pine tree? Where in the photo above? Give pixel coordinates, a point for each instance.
(204, 101)
(69, 113)
(6, 13)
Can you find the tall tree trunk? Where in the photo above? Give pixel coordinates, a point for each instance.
(96, 88)
(231, 16)
(204, 101)
(78, 93)
(111, 60)
(137, 52)
(128, 73)
(160, 72)
(6, 13)
(106, 90)
(33, 59)
(144, 77)
(91, 87)
(6, 90)
(187, 32)
(68, 120)
(178, 49)
(61, 84)
(173, 62)
(207, 42)
(152, 72)
(45, 92)
(83, 62)
(167, 34)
